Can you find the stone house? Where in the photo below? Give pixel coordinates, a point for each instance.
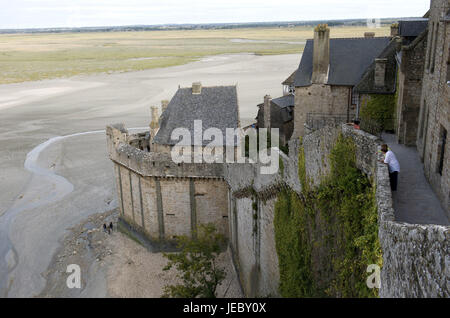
(434, 120)
(328, 72)
(277, 113)
(410, 57)
(380, 78)
(216, 107)
(163, 199)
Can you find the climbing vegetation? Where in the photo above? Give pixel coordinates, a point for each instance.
(380, 109)
(326, 237)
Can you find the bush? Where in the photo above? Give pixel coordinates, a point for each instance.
(197, 265)
(380, 109)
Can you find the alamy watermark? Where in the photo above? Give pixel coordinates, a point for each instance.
(234, 145)
(74, 279)
(374, 279)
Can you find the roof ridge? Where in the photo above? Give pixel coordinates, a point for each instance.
(357, 38)
(361, 38)
(214, 86)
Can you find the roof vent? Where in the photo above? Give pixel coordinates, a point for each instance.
(197, 88)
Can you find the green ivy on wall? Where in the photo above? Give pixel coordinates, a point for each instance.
(326, 238)
(381, 110)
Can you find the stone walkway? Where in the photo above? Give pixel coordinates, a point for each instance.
(415, 202)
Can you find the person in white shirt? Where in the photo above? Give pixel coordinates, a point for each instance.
(393, 165)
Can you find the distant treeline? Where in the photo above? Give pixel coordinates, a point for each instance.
(211, 26)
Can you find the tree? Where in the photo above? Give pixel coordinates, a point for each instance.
(197, 264)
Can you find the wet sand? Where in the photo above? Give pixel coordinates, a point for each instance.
(37, 210)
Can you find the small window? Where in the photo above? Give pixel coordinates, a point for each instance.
(441, 149)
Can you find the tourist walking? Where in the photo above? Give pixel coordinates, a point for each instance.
(393, 166)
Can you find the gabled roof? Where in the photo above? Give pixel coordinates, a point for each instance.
(349, 59)
(290, 79)
(284, 101)
(216, 107)
(412, 28)
(367, 83)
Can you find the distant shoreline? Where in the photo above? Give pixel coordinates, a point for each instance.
(205, 26)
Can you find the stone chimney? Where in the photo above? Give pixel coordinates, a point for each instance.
(321, 54)
(380, 72)
(267, 104)
(369, 35)
(154, 124)
(394, 30)
(197, 88)
(164, 104)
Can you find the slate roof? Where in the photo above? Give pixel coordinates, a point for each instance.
(217, 107)
(284, 101)
(412, 28)
(367, 83)
(349, 59)
(290, 79)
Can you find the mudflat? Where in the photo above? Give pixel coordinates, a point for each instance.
(50, 186)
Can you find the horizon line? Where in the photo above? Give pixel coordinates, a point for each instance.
(200, 24)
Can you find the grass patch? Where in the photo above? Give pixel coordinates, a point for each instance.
(29, 57)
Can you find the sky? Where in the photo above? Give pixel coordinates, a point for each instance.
(16, 14)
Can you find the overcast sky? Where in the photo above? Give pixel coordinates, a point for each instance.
(80, 13)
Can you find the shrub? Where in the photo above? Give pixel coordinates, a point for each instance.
(380, 109)
(197, 265)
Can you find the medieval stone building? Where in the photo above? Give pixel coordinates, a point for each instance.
(328, 73)
(164, 199)
(434, 121)
(277, 113)
(412, 44)
(161, 198)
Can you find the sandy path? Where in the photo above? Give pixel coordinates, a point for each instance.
(35, 224)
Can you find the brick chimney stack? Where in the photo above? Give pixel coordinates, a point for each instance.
(197, 88)
(267, 104)
(154, 124)
(394, 30)
(164, 104)
(321, 54)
